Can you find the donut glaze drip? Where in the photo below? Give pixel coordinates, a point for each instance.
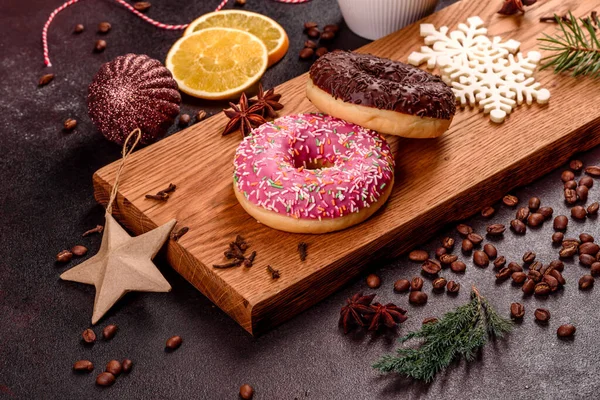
(384, 84)
(272, 166)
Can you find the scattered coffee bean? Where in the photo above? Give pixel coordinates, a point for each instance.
(595, 269)
(401, 285)
(561, 222)
(495, 229)
(570, 196)
(418, 255)
(88, 336)
(557, 237)
(534, 203)
(576, 165)
(542, 289)
(174, 342)
(558, 276)
(586, 181)
(593, 170)
(430, 267)
(499, 262)
(45, 79)
(114, 367)
(481, 259)
(459, 266)
(104, 27)
(310, 25)
(79, 250)
(310, 44)
(331, 28)
(514, 267)
(105, 379)
(529, 257)
(488, 212)
(145, 5)
(440, 251)
(127, 364)
(430, 320)
(448, 243)
(466, 245)
(542, 315)
(582, 193)
(83, 366)
(321, 51)
(313, 33)
(551, 281)
(109, 332)
(578, 212)
(517, 311)
(246, 392)
(417, 297)
(439, 284)
(453, 287)
(593, 208)
(570, 185)
(557, 265)
(586, 282)
(518, 226)
(567, 176)
(534, 275)
(589, 248)
(463, 229)
(327, 35)
(100, 46)
(522, 214)
(571, 241)
(184, 119)
(69, 124)
(568, 250)
(518, 277)
(510, 200)
(416, 284)
(64, 256)
(566, 330)
(200, 115)
(475, 238)
(490, 250)
(535, 219)
(448, 259)
(528, 287)
(373, 281)
(78, 28)
(306, 53)
(546, 212)
(503, 274)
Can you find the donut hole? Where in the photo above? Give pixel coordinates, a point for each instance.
(311, 164)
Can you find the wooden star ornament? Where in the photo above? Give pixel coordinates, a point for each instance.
(122, 264)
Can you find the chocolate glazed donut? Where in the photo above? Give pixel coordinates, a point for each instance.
(377, 93)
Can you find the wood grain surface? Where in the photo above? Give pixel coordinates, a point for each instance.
(437, 181)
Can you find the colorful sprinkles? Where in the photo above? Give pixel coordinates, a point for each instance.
(313, 166)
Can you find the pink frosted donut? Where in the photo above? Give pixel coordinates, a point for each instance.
(312, 173)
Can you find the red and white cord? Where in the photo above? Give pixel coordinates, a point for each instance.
(133, 10)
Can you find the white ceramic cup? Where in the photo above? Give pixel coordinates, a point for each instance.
(373, 19)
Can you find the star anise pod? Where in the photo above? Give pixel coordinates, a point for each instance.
(511, 7)
(268, 101)
(242, 117)
(355, 310)
(390, 314)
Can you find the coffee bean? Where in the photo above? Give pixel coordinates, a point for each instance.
(313, 33)
(105, 379)
(557, 265)
(542, 315)
(534, 275)
(64, 256)
(571, 242)
(200, 115)
(582, 193)
(104, 27)
(586, 282)
(551, 281)
(488, 212)
(576, 165)
(109, 332)
(534, 203)
(327, 35)
(518, 226)
(448, 259)
(331, 28)
(542, 289)
(535, 219)
(448, 243)
(561, 222)
(78, 28)
(127, 364)
(321, 51)
(475, 238)
(558, 276)
(514, 267)
(529, 257)
(570, 185)
(45, 79)
(463, 229)
(595, 269)
(466, 245)
(566, 330)
(490, 250)
(401, 285)
(546, 212)
(459, 266)
(83, 366)
(439, 284)
(578, 212)
(440, 251)
(418, 255)
(586, 181)
(416, 284)
(496, 229)
(517, 310)
(528, 287)
(100, 46)
(510, 200)
(174, 342)
(589, 248)
(557, 237)
(593, 208)
(567, 176)
(499, 262)
(306, 53)
(430, 320)
(143, 5)
(518, 277)
(373, 281)
(568, 250)
(310, 44)
(503, 274)
(453, 287)
(522, 214)
(593, 170)
(430, 267)
(481, 259)
(184, 119)
(114, 367)
(310, 25)
(417, 297)
(570, 196)
(69, 124)
(79, 250)
(246, 392)
(88, 336)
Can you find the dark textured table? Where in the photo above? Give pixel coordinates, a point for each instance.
(46, 203)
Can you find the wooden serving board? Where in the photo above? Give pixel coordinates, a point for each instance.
(437, 181)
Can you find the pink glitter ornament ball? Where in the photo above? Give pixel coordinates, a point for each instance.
(133, 91)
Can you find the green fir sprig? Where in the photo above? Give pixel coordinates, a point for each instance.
(575, 47)
(458, 334)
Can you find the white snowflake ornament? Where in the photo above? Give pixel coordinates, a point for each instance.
(481, 71)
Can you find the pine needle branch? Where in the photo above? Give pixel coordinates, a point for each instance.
(459, 334)
(575, 47)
